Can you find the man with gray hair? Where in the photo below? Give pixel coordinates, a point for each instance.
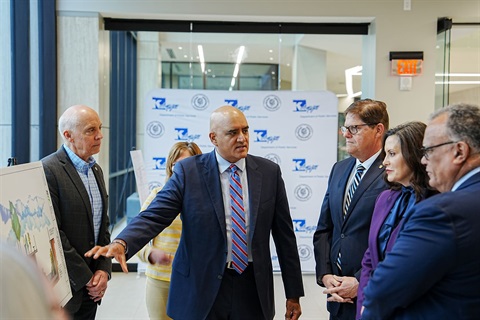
(433, 270)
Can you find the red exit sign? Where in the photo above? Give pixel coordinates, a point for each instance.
(407, 67)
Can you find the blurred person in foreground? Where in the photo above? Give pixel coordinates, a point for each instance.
(165, 244)
(230, 204)
(408, 181)
(341, 237)
(432, 271)
(25, 292)
(80, 202)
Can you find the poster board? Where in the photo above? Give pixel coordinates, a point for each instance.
(28, 223)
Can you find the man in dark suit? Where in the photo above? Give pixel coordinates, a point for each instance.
(205, 282)
(433, 270)
(341, 237)
(80, 203)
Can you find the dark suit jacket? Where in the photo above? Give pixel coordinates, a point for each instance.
(433, 269)
(75, 219)
(195, 191)
(350, 235)
(383, 205)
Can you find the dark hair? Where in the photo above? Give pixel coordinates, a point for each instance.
(370, 111)
(410, 136)
(463, 123)
(175, 152)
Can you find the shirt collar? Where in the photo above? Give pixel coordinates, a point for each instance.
(465, 178)
(368, 163)
(224, 164)
(78, 162)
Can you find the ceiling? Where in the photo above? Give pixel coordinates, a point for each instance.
(341, 52)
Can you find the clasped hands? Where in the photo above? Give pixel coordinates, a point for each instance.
(117, 251)
(340, 289)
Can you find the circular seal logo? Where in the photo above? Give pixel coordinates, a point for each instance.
(304, 132)
(200, 102)
(155, 129)
(272, 103)
(303, 192)
(273, 157)
(154, 184)
(304, 252)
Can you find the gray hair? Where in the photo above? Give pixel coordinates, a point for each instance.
(463, 123)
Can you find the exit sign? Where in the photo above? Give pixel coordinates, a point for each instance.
(407, 67)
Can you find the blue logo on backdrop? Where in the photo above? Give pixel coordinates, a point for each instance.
(262, 136)
(302, 106)
(161, 104)
(300, 225)
(182, 135)
(234, 103)
(301, 165)
(160, 163)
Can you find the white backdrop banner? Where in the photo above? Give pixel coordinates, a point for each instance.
(297, 130)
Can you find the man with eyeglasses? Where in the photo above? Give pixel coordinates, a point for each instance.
(341, 237)
(433, 270)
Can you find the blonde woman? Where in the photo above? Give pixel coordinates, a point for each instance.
(165, 244)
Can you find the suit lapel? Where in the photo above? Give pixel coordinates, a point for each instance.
(77, 181)
(214, 188)
(371, 175)
(254, 186)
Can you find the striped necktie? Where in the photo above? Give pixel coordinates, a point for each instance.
(353, 187)
(239, 230)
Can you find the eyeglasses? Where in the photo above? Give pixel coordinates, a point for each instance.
(426, 151)
(354, 129)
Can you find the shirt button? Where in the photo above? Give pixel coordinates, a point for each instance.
(219, 277)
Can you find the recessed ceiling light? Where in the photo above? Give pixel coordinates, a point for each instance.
(180, 48)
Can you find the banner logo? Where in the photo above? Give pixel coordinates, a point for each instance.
(183, 135)
(155, 129)
(302, 106)
(160, 163)
(273, 157)
(301, 165)
(300, 225)
(272, 103)
(303, 192)
(234, 103)
(161, 104)
(200, 102)
(304, 252)
(262, 136)
(304, 132)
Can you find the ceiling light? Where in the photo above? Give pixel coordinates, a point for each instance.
(241, 51)
(180, 48)
(202, 58)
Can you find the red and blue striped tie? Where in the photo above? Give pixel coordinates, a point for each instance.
(239, 229)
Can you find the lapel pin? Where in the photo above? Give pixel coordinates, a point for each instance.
(380, 166)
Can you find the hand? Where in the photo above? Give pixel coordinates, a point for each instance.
(113, 250)
(97, 285)
(294, 310)
(158, 256)
(329, 281)
(345, 292)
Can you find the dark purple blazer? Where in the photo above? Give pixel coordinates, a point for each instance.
(383, 205)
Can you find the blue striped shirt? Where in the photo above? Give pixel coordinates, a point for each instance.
(85, 172)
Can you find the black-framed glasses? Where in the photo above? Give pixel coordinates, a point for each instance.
(354, 129)
(426, 151)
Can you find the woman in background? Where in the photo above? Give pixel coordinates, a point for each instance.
(165, 244)
(408, 181)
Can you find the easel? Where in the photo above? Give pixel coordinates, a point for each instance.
(12, 162)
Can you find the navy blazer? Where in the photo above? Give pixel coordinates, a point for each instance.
(350, 235)
(433, 269)
(195, 190)
(74, 216)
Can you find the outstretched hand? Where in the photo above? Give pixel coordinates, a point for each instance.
(113, 250)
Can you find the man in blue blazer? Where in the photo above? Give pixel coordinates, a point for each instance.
(80, 202)
(341, 237)
(203, 283)
(433, 270)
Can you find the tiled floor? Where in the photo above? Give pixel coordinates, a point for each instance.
(125, 296)
(125, 299)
